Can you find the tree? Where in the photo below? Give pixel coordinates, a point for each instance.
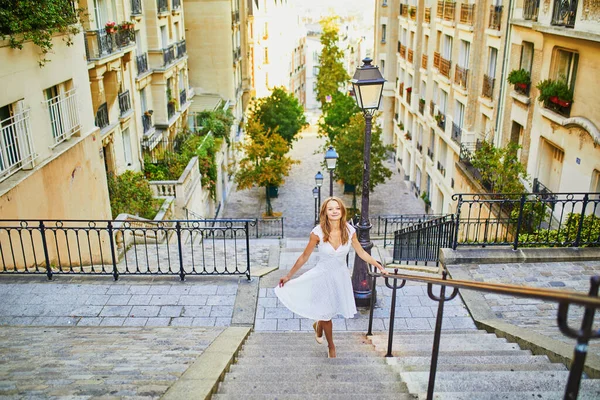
(500, 168)
(342, 108)
(332, 74)
(349, 145)
(280, 112)
(265, 163)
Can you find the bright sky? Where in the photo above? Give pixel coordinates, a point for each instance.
(317, 8)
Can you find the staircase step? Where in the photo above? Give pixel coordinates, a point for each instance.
(557, 395)
(460, 360)
(321, 396)
(482, 367)
(471, 353)
(324, 368)
(315, 376)
(321, 351)
(281, 387)
(430, 333)
(453, 346)
(287, 348)
(452, 338)
(312, 360)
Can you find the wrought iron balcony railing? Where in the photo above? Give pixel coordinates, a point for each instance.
(441, 168)
(419, 147)
(168, 55)
(428, 15)
(147, 121)
(531, 9)
(16, 144)
(412, 12)
(182, 97)
(495, 17)
(142, 63)
(564, 13)
(422, 107)
(64, 115)
(445, 67)
(102, 116)
(467, 14)
(439, 11)
(460, 76)
(175, 4)
(99, 43)
(235, 17)
(402, 51)
(124, 102)
(441, 120)
(456, 133)
(424, 61)
(436, 60)
(409, 56)
(181, 49)
(170, 109)
(488, 86)
(449, 11)
(162, 5)
(541, 189)
(404, 10)
(136, 7)
(430, 153)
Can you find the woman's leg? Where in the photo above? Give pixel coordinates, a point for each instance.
(328, 331)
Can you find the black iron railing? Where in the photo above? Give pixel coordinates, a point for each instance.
(583, 335)
(124, 102)
(422, 242)
(259, 227)
(102, 116)
(136, 7)
(441, 120)
(541, 189)
(528, 220)
(181, 49)
(388, 224)
(460, 76)
(168, 55)
(132, 247)
(162, 5)
(175, 4)
(147, 121)
(495, 17)
(456, 133)
(142, 63)
(170, 109)
(182, 97)
(124, 38)
(564, 13)
(531, 9)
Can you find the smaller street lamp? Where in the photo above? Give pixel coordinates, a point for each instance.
(319, 183)
(331, 158)
(315, 193)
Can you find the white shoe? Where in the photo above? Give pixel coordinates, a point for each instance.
(317, 338)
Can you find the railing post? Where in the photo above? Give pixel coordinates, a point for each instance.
(392, 315)
(282, 227)
(373, 288)
(385, 232)
(519, 222)
(181, 270)
(581, 218)
(45, 247)
(246, 227)
(112, 251)
(457, 222)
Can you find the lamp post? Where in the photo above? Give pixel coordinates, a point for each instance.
(368, 87)
(319, 183)
(331, 157)
(315, 193)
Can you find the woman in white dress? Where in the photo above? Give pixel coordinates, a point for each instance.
(326, 290)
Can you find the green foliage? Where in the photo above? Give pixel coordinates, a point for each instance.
(265, 162)
(38, 21)
(425, 197)
(218, 122)
(332, 75)
(130, 193)
(519, 76)
(280, 112)
(500, 167)
(567, 234)
(554, 88)
(342, 108)
(349, 146)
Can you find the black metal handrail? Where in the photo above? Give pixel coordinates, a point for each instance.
(136, 7)
(142, 63)
(102, 116)
(422, 242)
(564, 13)
(388, 224)
(147, 121)
(127, 247)
(456, 133)
(124, 102)
(263, 227)
(182, 97)
(168, 55)
(181, 49)
(591, 302)
(531, 9)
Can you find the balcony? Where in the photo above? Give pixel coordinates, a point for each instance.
(136, 7)
(456, 133)
(467, 14)
(171, 109)
(404, 10)
(147, 121)
(488, 86)
(175, 4)
(430, 153)
(408, 95)
(237, 54)
(542, 190)
(402, 51)
(428, 15)
(439, 11)
(16, 144)
(181, 49)
(401, 89)
(531, 9)
(522, 88)
(235, 17)
(559, 106)
(441, 120)
(445, 66)
(460, 76)
(564, 13)
(412, 12)
(409, 56)
(168, 55)
(99, 43)
(441, 168)
(142, 63)
(495, 17)
(64, 115)
(436, 60)
(162, 6)
(420, 147)
(124, 102)
(424, 60)
(431, 108)
(102, 116)
(182, 97)
(422, 106)
(449, 11)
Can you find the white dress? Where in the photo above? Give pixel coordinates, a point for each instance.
(325, 290)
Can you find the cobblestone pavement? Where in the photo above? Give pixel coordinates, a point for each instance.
(296, 202)
(414, 309)
(99, 362)
(533, 314)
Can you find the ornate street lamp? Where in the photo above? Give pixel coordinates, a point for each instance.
(368, 87)
(331, 158)
(315, 193)
(319, 183)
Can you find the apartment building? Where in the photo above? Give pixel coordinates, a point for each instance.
(51, 158)
(556, 40)
(313, 52)
(449, 64)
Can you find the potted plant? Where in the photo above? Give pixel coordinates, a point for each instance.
(412, 12)
(110, 27)
(407, 135)
(555, 91)
(126, 26)
(409, 90)
(422, 102)
(401, 126)
(521, 78)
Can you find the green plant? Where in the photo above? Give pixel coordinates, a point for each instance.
(408, 135)
(422, 101)
(499, 168)
(550, 89)
(425, 197)
(566, 235)
(519, 76)
(130, 193)
(401, 126)
(218, 122)
(38, 21)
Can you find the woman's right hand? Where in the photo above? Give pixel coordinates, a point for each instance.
(283, 281)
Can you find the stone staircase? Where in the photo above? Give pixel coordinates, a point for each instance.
(475, 364)
(293, 366)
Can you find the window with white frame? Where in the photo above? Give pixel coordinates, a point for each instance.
(565, 66)
(383, 32)
(127, 147)
(443, 101)
(16, 144)
(492, 61)
(526, 56)
(447, 47)
(464, 53)
(61, 101)
(459, 114)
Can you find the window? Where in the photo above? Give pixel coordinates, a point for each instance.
(492, 60)
(16, 146)
(459, 114)
(527, 56)
(465, 52)
(432, 142)
(63, 111)
(447, 47)
(315, 70)
(164, 37)
(127, 147)
(382, 63)
(565, 65)
(383, 32)
(443, 101)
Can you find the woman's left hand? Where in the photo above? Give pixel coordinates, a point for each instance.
(381, 269)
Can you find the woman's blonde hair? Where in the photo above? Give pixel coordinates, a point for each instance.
(326, 224)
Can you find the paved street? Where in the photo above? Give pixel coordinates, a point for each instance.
(296, 201)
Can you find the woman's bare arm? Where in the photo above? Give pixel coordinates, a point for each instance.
(312, 242)
(364, 255)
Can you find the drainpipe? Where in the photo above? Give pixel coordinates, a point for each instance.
(503, 85)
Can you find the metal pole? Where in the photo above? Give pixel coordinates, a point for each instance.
(330, 183)
(316, 218)
(361, 280)
(319, 206)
